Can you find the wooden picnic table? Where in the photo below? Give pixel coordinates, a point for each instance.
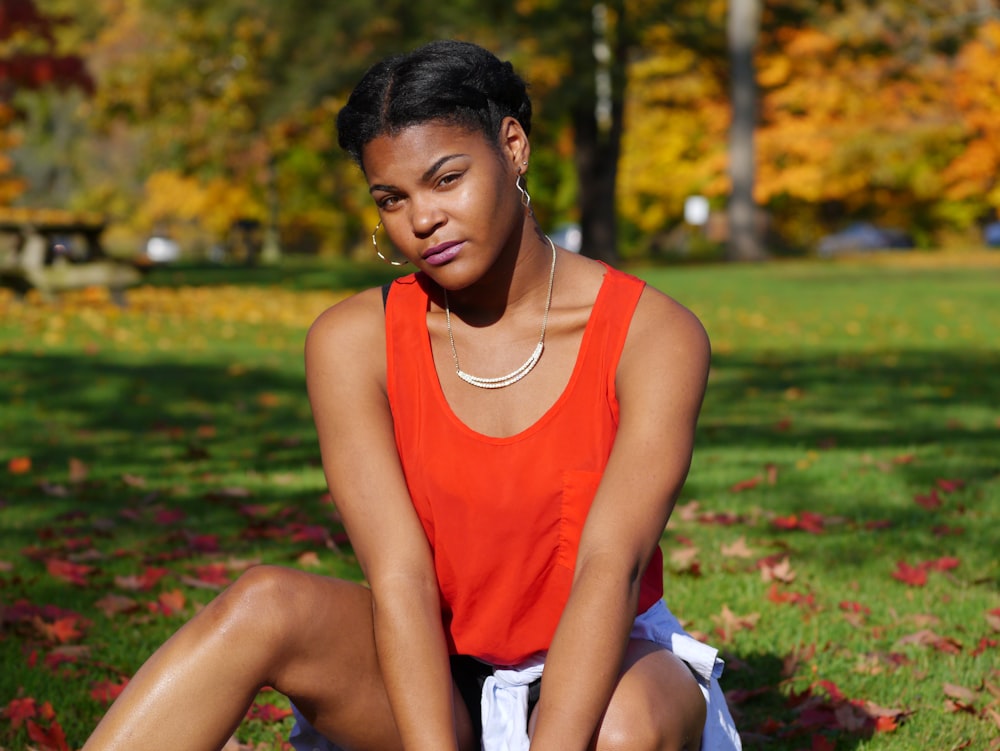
(53, 250)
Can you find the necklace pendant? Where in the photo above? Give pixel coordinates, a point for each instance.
(501, 381)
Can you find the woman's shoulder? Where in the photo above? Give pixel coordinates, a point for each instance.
(661, 324)
(352, 327)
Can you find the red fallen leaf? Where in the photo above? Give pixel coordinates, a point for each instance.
(61, 630)
(946, 563)
(885, 724)
(19, 465)
(822, 743)
(930, 501)
(776, 595)
(169, 516)
(914, 576)
(204, 543)
(943, 530)
(212, 576)
(19, 710)
(107, 691)
(70, 654)
(747, 484)
(854, 607)
(927, 638)
(74, 573)
(983, 645)
(255, 510)
(878, 524)
(807, 521)
(144, 582)
(48, 739)
(171, 602)
(950, 486)
(267, 713)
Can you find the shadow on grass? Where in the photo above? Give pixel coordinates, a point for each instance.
(297, 274)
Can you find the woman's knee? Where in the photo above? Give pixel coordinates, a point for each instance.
(657, 706)
(264, 599)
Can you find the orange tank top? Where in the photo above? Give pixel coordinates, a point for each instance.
(504, 515)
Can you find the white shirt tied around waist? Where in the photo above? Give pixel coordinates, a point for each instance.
(505, 693)
(504, 701)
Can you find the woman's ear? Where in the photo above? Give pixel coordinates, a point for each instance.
(514, 144)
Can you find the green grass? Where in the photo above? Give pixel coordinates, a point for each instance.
(175, 433)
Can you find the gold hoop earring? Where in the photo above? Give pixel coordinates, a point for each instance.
(379, 252)
(522, 186)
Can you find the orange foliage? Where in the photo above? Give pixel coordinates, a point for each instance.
(976, 96)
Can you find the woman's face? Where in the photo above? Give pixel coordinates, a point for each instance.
(447, 197)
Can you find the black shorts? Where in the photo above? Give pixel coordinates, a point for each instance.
(469, 675)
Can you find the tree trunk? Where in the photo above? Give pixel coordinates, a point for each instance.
(743, 28)
(597, 128)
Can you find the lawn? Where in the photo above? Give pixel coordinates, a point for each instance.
(836, 538)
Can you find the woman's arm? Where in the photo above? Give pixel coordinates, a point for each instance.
(660, 384)
(345, 373)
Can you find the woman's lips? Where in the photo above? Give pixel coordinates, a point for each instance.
(442, 253)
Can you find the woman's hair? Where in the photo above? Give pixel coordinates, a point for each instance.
(454, 82)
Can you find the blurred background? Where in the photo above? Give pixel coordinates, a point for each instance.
(690, 129)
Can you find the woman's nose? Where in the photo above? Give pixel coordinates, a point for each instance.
(426, 217)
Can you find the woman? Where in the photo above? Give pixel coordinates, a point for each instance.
(505, 522)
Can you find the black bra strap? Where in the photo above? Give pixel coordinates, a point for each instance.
(385, 293)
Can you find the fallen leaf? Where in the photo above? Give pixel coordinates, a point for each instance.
(737, 549)
(112, 605)
(914, 576)
(780, 572)
(19, 710)
(728, 623)
(19, 465)
(74, 573)
(747, 484)
(961, 693)
(930, 501)
(78, 471)
(107, 691)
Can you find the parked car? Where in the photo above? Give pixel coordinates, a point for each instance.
(991, 234)
(863, 237)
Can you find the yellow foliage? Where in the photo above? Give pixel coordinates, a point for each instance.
(214, 204)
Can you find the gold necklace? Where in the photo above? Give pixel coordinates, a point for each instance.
(515, 375)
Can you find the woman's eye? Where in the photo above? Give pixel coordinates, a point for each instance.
(451, 177)
(387, 202)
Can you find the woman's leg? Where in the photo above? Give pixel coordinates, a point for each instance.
(308, 636)
(656, 706)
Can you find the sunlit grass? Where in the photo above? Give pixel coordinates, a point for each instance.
(174, 434)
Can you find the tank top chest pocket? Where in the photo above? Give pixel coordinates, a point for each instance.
(579, 487)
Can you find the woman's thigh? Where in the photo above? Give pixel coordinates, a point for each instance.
(327, 663)
(657, 704)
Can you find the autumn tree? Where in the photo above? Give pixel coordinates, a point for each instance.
(30, 61)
